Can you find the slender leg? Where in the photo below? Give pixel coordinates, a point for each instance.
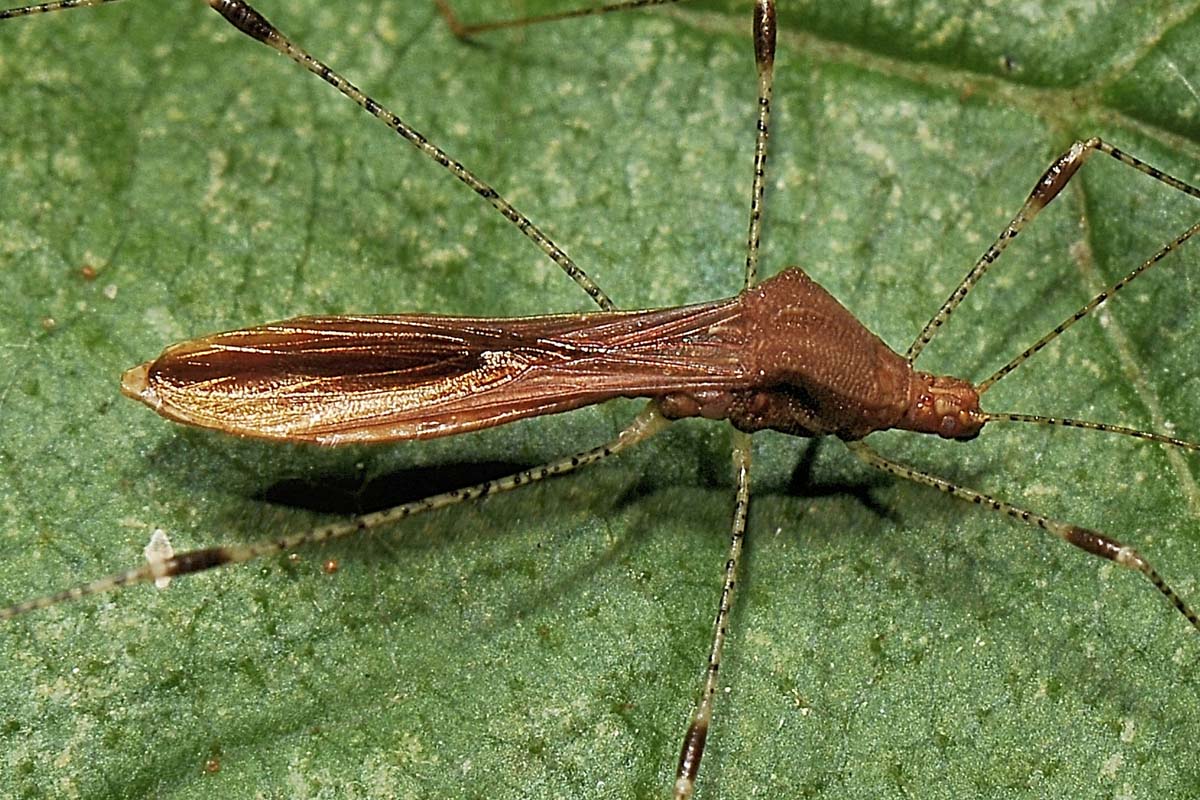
(764, 61)
(764, 30)
(463, 31)
(1088, 307)
(246, 19)
(243, 16)
(697, 732)
(1047, 188)
(1086, 539)
(43, 8)
(645, 425)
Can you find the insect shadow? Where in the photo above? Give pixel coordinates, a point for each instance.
(335, 492)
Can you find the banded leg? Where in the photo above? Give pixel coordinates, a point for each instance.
(697, 732)
(246, 19)
(42, 8)
(764, 61)
(464, 31)
(764, 31)
(1086, 539)
(645, 425)
(1044, 191)
(1088, 307)
(243, 16)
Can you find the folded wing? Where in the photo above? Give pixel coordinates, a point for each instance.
(334, 380)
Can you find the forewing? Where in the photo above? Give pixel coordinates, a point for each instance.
(334, 380)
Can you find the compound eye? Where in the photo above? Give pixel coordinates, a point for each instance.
(962, 426)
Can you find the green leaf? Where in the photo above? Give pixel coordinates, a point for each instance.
(888, 641)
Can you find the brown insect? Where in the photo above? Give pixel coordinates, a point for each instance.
(783, 355)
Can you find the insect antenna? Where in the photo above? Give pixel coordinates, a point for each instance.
(1103, 427)
(1047, 188)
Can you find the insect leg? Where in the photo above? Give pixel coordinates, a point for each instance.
(43, 8)
(1053, 180)
(249, 21)
(764, 28)
(764, 61)
(645, 425)
(1089, 307)
(697, 732)
(1091, 541)
(463, 31)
